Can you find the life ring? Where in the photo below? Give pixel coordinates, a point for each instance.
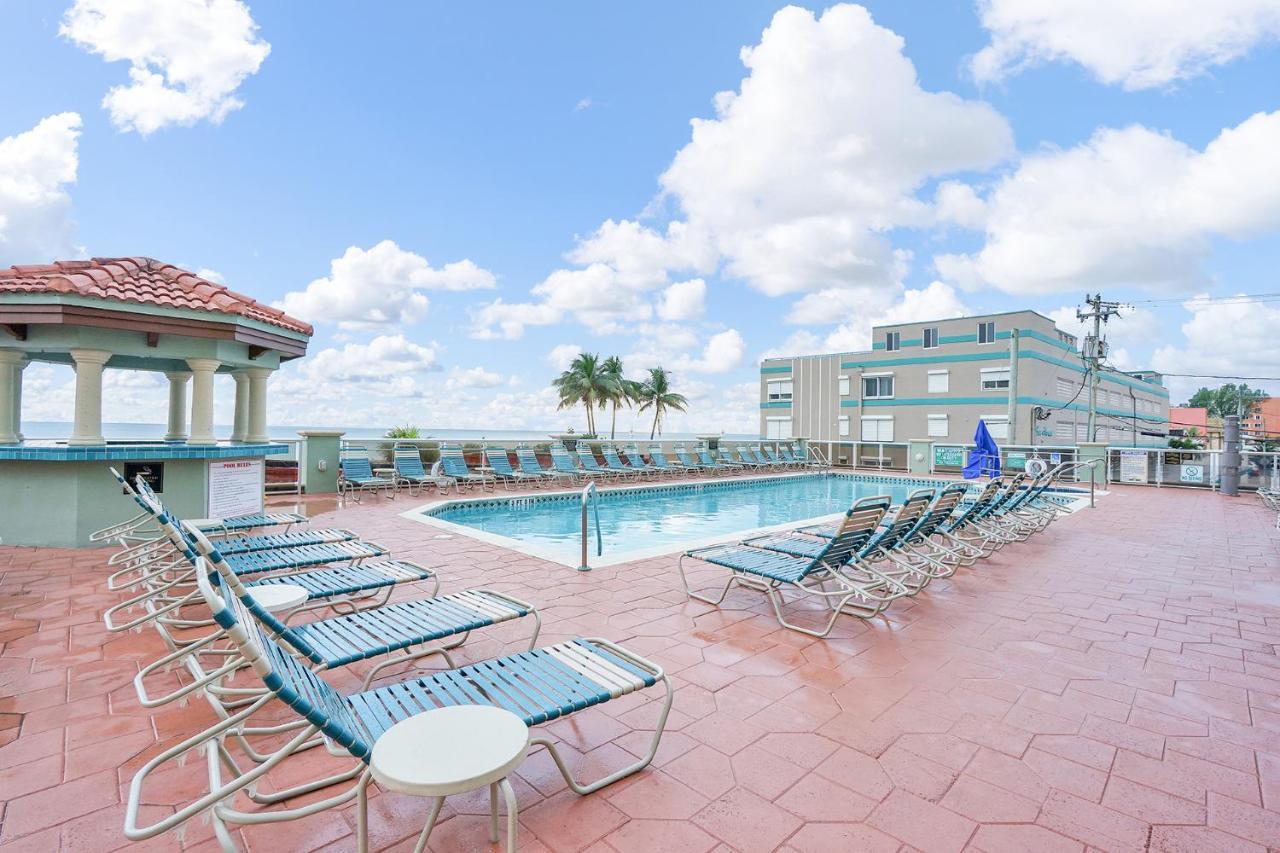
(1036, 467)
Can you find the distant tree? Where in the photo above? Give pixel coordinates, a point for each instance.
(624, 391)
(655, 393)
(403, 432)
(1190, 440)
(585, 383)
(1229, 399)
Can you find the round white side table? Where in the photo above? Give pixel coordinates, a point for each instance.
(274, 597)
(449, 751)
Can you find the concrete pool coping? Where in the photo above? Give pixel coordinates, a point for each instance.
(420, 515)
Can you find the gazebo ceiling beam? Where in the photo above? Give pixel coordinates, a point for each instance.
(17, 331)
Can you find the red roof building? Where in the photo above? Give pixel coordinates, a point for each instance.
(142, 281)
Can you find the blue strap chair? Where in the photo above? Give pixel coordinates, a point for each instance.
(771, 571)
(358, 476)
(527, 458)
(500, 464)
(454, 466)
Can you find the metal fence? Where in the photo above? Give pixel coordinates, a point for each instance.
(1190, 468)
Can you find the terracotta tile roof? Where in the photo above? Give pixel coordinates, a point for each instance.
(143, 281)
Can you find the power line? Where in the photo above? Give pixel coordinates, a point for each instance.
(1215, 376)
(1238, 298)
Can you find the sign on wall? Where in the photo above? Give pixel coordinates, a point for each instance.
(152, 474)
(1015, 461)
(235, 487)
(952, 457)
(1133, 466)
(1191, 473)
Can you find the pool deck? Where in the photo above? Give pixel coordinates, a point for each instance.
(1111, 684)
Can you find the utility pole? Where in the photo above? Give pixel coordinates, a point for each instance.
(1095, 349)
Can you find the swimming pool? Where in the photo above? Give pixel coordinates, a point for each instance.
(643, 520)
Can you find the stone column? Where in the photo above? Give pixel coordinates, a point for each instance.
(202, 372)
(240, 427)
(88, 417)
(257, 405)
(11, 362)
(17, 398)
(177, 405)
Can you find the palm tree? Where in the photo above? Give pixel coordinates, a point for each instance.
(655, 393)
(584, 382)
(624, 390)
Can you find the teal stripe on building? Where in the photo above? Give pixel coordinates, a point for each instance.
(781, 368)
(995, 355)
(939, 400)
(775, 404)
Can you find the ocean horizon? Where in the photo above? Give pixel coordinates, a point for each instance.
(47, 430)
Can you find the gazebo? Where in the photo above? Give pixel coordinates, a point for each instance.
(133, 314)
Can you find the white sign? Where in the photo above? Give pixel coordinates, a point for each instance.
(1133, 466)
(235, 487)
(1192, 473)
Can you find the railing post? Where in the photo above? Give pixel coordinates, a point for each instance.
(589, 492)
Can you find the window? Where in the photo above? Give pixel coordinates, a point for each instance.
(930, 338)
(1066, 388)
(879, 386)
(987, 332)
(778, 389)
(777, 427)
(844, 386)
(892, 341)
(1064, 430)
(998, 426)
(995, 378)
(939, 381)
(937, 426)
(1082, 431)
(877, 428)
(843, 423)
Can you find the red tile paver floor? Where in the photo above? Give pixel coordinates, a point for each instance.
(1111, 684)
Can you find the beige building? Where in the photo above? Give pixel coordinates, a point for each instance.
(1017, 371)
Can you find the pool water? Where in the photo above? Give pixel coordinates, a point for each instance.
(667, 518)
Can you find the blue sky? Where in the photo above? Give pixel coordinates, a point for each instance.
(509, 182)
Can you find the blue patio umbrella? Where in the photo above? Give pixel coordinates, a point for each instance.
(985, 457)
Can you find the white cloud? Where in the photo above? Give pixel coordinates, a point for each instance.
(473, 377)
(506, 320)
(562, 355)
(187, 57)
(936, 302)
(821, 151)
(722, 353)
(583, 104)
(36, 167)
(386, 366)
(1138, 44)
(380, 285)
(684, 300)
(211, 275)
(1129, 206)
(1226, 339)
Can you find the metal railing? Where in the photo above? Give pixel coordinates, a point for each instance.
(1167, 466)
(591, 496)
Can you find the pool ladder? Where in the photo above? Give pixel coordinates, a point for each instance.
(590, 496)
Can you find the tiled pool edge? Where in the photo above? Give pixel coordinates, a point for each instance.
(423, 514)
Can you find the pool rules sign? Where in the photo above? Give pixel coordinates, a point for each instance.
(235, 487)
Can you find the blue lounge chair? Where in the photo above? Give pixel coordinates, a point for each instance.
(771, 456)
(500, 463)
(411, 473)
(592, 467)
(805, 458)
(726, 459)
(529, 464)
(454, 466)
(660, 461)
(358, 477)
(771, 571)
(564, 463)
(704, 459)
(615, 464)
(632, 457)
(691, 463)
(539, 686)
(748, 457)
